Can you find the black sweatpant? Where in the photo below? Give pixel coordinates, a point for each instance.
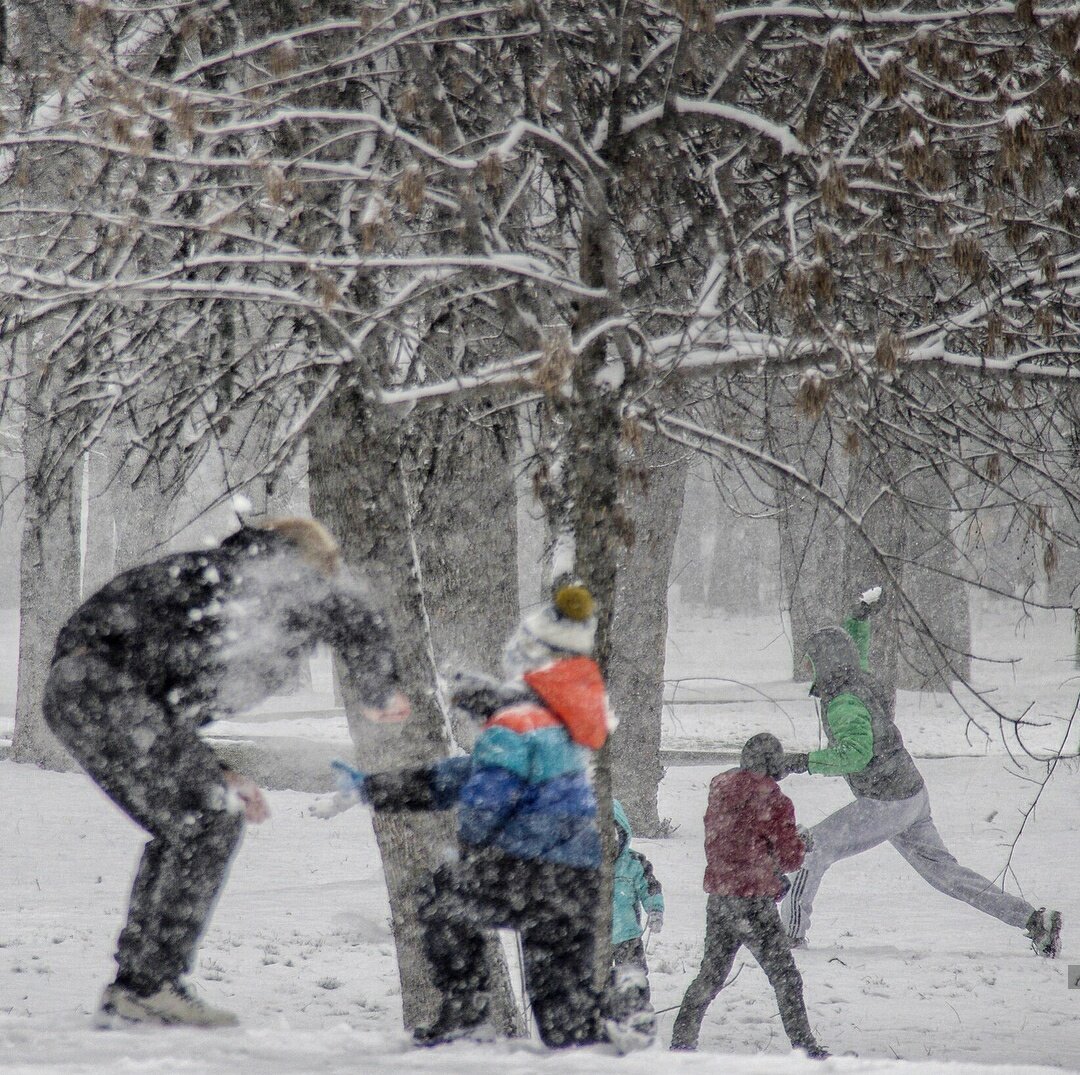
(631, 954)
(729, 923)
(164, 777)
(550, 905)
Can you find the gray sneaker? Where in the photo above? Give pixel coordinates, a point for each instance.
(1043, 928)
(637, 1031)
(172, 1005)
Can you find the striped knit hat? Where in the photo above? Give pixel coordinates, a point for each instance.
(566, 627)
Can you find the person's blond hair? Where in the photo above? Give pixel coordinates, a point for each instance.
(311, 538)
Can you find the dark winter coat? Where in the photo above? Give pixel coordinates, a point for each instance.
(214, 632)
(865, 745)
(636, 886)
(525, 790)
(750, 836)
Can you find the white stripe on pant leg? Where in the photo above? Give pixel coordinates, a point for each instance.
(794, 917)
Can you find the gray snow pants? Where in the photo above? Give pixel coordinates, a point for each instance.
(164, 777)
(908, 826)
(729, 923)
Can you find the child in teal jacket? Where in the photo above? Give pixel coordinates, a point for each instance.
(636, 889)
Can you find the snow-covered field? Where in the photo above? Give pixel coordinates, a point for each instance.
(897, 977)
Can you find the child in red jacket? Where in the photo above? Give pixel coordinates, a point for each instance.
(750, 843)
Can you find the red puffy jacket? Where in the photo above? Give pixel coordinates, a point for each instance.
(750, 836)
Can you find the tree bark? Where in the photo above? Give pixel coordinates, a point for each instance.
(49, 588)
(936, 642)
(639, 633)
(358, 491)
(811, 548)
(874, 477)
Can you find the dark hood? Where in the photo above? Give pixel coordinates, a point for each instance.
(835, 659)
(763, 753)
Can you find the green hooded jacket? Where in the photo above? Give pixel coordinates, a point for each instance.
(865, 746)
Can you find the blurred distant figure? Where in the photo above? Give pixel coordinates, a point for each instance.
(751, 841)
(636, 889)
(866, 748)
(162, 650)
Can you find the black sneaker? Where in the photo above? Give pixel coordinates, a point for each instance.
(430, 1036)
(460, 1019)
(1044, 930)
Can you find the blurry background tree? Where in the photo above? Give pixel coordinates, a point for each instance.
(832, 249)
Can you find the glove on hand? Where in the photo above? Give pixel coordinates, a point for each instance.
(796, 763)
(870, 601)
(654, 921)
(349, 779)
(350, 792)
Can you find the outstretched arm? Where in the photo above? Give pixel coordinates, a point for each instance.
(360, 637)
(857, 624)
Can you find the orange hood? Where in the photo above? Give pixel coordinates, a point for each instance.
(573, 690)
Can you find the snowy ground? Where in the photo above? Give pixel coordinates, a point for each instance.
(897, 977)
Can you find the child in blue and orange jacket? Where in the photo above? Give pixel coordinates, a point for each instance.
(527, 830)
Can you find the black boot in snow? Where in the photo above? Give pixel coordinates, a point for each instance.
(460, 1019)
(1044, 929)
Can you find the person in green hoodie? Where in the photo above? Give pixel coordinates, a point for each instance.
(866, 748)
(636, 889)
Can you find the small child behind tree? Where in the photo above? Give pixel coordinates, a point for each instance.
(636, 889)
(751, 841)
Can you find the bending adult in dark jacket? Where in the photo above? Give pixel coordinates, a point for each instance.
(891, 803)
(751, 841)
(145, 662)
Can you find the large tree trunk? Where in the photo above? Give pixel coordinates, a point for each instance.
(882, 543)
(465, 519)
(639, 633)
(130, 518)
(811, 547)
(936, 640)
(49, 590)
(49, 573)
(358, 491)
(599, 527)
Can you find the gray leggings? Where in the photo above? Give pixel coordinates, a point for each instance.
(163, 776)
(908, 826)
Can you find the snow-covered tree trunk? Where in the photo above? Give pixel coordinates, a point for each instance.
(936, 647)
(358, 491)
(880, 541)
(811, 546)
(591, 454)
(653, 506)
(460, 458)
(49, 576)
(466, 528)
(49, 571)
(130, 516)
